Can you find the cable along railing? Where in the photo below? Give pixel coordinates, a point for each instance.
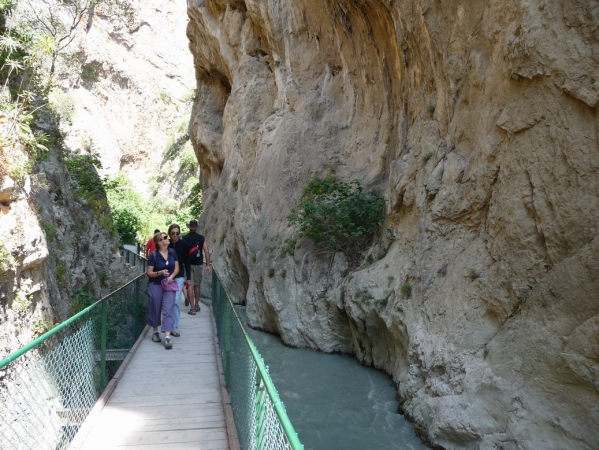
(260, 416)
(48, 387)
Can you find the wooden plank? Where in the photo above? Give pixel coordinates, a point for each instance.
(149, 400)
(177, 421)
(198, 408)
(167, 399)
(122, 437)
(209, 445)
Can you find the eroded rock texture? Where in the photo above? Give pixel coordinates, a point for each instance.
(478, 123)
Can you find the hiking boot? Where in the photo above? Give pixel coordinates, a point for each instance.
(156, 337)
(167, 343)
(175, 333)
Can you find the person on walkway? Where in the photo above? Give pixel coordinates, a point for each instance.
(197, 250)
(150, 246)
(184, 272)
(162, 264)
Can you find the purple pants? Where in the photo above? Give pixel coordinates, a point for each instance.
(160, 302)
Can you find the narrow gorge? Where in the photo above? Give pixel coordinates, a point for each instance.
(478, 123)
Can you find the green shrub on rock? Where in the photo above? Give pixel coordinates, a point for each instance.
(338, 216)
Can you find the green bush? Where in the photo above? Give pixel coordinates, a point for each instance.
(42, 326)
(51, 230)
(127, 206)
(81, 299)
(7, 261)
(189, 161)
(90, 72)
(61, 273)
(21, 301)
(63, 104)
(190, 95)
(338, 216)
(288, 247)
(194, 201)
(85, 180)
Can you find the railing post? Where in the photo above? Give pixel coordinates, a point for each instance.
(103, 345)
(137, 330)
(214, 281)
(228, 314)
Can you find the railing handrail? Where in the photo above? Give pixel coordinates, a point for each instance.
(10, 358)
(278, 404)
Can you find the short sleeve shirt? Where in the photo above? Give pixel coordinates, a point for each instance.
(150, 246)
(159, 263)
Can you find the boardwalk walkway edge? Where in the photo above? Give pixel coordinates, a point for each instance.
(225, 395)
(88, 424)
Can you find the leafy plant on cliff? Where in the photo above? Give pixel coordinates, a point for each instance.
(86, 183)
(21, 302)
(7, 261)
(81, 299)
(338, 216)
(42, 326)
(129, 211)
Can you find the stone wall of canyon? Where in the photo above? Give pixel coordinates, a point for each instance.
(478, 122)
(120, 85)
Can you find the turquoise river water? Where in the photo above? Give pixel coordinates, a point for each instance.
(333, 401)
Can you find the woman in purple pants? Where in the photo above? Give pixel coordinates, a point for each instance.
(162, 263)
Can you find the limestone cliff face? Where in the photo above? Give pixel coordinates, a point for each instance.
(121, 81)
(127, 74)
(52, 246)
(478, 122)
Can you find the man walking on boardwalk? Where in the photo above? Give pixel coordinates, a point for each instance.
(197, 250)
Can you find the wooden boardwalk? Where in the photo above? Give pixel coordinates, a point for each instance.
(166, 399)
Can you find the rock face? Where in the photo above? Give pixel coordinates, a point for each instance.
(53, 246)
(122, 81)
(127, 77)
(478, 122)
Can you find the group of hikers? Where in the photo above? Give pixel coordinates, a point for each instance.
(175, 266)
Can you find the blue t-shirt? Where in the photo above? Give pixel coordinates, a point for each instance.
(159, 263)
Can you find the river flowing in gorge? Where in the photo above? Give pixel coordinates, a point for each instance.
(333, 401)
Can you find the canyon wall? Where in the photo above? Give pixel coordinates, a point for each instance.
(55, 246)
(128, 79)
(478, 122)
(120, 90)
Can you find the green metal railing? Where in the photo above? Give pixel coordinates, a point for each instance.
(48, 387)
(133, 258)
(259, 413)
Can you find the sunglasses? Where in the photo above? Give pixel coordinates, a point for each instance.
(173, 233)
(164, 237)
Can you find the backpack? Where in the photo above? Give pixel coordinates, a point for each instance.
(195, 253)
